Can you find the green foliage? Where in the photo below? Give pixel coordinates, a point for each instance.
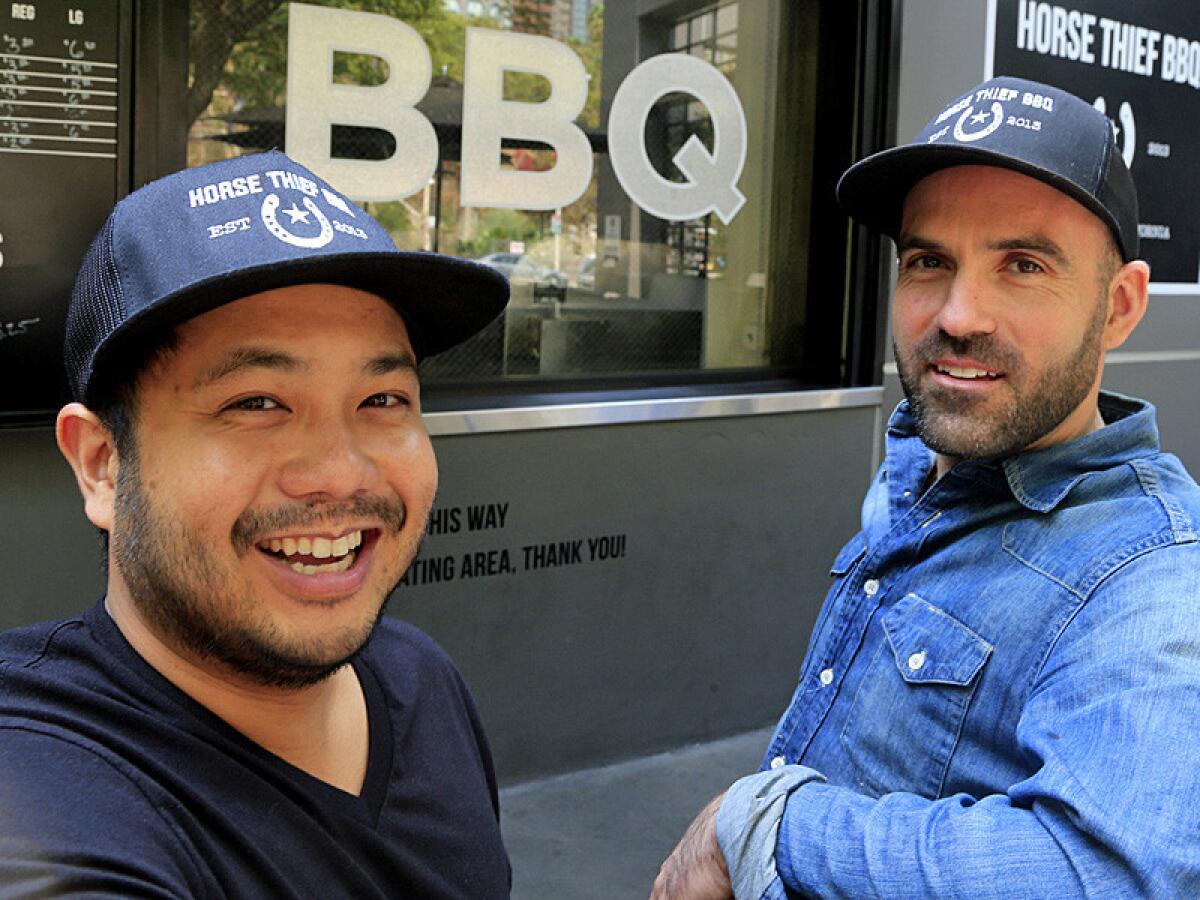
(239, 51)
(394, 217)
(530, 88)
(497, 228)
(526, 87)
(591, 53)
(240, 46)
(256, 72)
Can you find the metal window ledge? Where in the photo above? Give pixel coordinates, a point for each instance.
(623, 412)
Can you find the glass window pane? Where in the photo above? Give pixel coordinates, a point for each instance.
(727, 19)
(602, 285)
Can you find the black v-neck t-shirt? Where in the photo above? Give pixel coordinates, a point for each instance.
(113, 782)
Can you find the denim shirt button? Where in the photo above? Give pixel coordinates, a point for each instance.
(826, 677)
(871, 587)
(916, 660)
(777, 762)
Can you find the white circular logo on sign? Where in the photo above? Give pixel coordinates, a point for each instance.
(1126, 133)
(961, 134)
(270, 217)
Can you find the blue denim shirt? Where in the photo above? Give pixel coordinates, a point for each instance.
(1001, 696)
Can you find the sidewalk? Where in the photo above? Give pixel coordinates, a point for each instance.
(600, 834)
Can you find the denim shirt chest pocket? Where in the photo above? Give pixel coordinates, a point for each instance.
(909, 710)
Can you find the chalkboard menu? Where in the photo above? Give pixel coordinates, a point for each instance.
(62, 151)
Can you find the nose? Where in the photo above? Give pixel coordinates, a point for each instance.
(967, 309)
(327, 461)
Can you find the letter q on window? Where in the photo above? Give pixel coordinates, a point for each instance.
(712, 178)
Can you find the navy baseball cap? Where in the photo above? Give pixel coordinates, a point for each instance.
(198, 239)
(1031, 128)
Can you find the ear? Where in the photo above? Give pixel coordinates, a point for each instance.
(89, 448)
(1128, 294)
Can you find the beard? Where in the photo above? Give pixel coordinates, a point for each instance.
(958, 425)
(183, 592)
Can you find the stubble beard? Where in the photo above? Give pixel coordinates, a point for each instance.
(957, 425)
(176, 585)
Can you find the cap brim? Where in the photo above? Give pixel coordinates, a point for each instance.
(443, 300)
(873, 190)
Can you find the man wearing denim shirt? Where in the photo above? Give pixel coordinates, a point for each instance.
(1001, 696)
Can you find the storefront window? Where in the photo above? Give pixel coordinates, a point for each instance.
(604, 289)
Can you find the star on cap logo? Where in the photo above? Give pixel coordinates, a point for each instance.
(296, 214)
(270, 217)
(974, 119)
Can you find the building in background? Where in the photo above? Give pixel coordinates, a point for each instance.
(569, 19)
(560, 19)
(580, 9)
(477, 9)
(533, 16)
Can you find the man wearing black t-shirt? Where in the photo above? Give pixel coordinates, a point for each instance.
(235, 718)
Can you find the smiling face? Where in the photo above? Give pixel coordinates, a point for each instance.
(281, 484)
(1001, 312)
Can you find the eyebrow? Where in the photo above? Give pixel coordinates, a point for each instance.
(1034, 243)
(261, 358)
(916, 242)
(1038, 243)
(248, 358)
(387, 363)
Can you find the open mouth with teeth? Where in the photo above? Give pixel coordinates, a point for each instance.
(967, 373)
(317, 555)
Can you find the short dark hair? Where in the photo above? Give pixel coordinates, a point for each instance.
(115, 403)
(115, 397)
(1111, 260)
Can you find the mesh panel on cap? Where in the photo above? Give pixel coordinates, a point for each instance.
(96, 308)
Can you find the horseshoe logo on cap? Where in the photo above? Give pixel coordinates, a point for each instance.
(962, 134)
(270, 208)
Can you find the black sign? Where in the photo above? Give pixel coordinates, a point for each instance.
(60, 120)
(1139, 63)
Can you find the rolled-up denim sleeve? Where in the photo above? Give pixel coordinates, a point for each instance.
(1111, 730)
(748, 827)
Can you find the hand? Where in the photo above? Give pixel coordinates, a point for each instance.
(695, 870)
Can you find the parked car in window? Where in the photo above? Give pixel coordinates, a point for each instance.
(517, 267)
(586, 276)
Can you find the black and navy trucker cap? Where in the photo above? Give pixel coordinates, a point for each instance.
(1035, 129)
(203, 237)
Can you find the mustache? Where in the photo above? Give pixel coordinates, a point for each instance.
(254, 523)
(983, 348)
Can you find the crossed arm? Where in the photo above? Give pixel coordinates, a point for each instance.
(1108, 809)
